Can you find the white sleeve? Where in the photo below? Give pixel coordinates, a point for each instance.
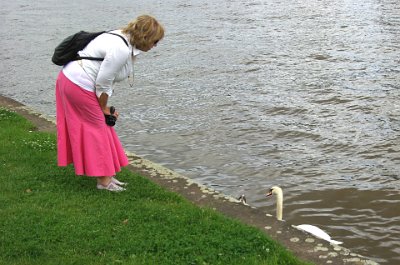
(116, 57)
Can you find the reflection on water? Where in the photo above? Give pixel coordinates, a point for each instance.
(243, 95)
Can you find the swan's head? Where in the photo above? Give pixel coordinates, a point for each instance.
(274, 190)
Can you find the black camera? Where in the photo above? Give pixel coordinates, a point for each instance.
(111, 119)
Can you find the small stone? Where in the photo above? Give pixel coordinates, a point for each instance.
(267, 227)
(310, 240)
(319, 248)
(345, 252)
(352, 260)
(294, 239)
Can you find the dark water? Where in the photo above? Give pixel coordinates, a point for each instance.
(244, 95)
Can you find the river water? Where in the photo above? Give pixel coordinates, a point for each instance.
(244, 95)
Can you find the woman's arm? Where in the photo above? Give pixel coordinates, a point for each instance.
(103, 99)
(115, 58)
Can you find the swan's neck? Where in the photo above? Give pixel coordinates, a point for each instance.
(279, 205)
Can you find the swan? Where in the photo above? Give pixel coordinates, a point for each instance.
(307, 228)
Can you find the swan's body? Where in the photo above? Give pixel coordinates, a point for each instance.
(307, 228)
(317, 232)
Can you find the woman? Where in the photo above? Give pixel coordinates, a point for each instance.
(82, 91)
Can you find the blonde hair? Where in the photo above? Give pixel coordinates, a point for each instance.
(144, 31)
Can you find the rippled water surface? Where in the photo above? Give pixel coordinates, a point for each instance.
(244, 95)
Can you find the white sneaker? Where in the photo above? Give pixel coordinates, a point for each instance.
(119, 183)
(111, 187)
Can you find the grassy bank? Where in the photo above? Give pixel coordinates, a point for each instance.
(50, 216)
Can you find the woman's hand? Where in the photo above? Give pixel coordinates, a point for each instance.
(107, 111)
(103, 99)
(116, 114)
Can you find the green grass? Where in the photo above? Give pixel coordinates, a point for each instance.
(50, 216)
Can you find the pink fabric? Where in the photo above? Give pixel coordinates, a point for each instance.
(83, 137)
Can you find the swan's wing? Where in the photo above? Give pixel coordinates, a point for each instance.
(335, 242)
(318, 232)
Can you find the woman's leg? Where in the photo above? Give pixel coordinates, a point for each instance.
(104, 181)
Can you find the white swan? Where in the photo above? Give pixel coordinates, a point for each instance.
(308, 228)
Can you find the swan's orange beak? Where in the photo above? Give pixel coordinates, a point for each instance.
(268, 193)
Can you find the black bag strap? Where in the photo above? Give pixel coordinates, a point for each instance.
(120, 37)
(99, 58)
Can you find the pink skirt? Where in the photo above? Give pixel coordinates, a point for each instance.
(83, 137)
